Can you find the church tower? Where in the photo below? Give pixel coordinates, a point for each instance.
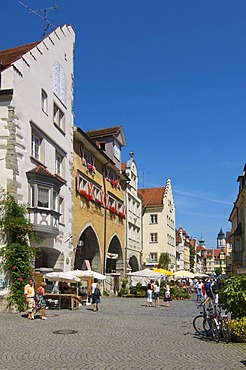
(221, 239)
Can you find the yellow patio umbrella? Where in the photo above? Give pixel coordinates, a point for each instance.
(164, 272)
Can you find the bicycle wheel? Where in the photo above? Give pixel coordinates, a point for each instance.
(214, 330)
(198, 325)
(225, 331)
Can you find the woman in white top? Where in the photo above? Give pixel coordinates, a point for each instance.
(167, 295)
(95, 293)
(157, 294)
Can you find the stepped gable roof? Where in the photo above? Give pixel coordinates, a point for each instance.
(9, 56)
(152, 196)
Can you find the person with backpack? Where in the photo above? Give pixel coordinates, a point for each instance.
(215, 290)
(209, 291)
(96, 294)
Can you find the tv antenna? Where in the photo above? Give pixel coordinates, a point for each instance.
(42, 13)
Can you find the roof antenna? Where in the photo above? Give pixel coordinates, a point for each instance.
(42, 13)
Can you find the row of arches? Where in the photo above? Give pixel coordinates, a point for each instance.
(88, 254)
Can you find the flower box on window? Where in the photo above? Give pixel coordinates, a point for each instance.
(83, 192)
(122, 215)
(91, 168)
(89, 197)
(99, 202)
(112, 209)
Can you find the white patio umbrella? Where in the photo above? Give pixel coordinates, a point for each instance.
(201, 275)
(86, 274)
(144, 276)
(184, 274)
(62, 277)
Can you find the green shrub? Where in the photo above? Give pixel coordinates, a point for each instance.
(17, 254)
(233, 296)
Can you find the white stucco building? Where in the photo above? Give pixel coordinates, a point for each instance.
(133, 216)
(158, 224)
(36, 122)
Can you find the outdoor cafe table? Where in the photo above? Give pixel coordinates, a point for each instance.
(72, 298)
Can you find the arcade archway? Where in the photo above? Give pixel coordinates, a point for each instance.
(88, 252)
(133, 263)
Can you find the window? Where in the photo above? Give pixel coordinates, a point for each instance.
(59, 164)
(103, 146)
(117, 151)
(43, 197)
(36, 145)
(44, 101)
(153, 238)
(58, 117)
(237, 245)
(153, 219)
(61, 209)
(153, 257)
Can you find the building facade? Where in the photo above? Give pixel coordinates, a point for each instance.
(36, 128)
(133, 203)
(99, 204)
(158, 225)
(238, 227)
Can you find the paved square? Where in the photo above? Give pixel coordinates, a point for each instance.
(124, 334)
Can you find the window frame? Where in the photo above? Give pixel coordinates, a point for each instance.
(36, 144)
(58, 117)
(152, 217)
(153, 238)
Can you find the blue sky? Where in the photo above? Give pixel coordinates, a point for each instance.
(173, 74)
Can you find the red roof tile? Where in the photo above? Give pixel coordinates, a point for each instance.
(9, 56)
(152, 196)
(103, 132)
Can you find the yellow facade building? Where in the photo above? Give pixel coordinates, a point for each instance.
(99, 205)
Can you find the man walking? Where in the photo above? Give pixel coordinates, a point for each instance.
(29, 292)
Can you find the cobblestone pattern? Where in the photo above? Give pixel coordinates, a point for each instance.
(124, 334)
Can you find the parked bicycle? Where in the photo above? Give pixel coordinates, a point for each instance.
(207, 322)
(223, 324)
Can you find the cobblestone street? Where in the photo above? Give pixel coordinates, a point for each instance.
(124, 334)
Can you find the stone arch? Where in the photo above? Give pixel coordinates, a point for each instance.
(114, 258)
(88, 253)
(133, 263)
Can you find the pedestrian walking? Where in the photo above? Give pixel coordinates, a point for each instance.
(167, 297)
(41, 302)
(199, 290)
(96, 294)
(150, 288)
(29, 293)
(157, 293)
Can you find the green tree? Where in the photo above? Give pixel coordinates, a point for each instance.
(192, 258)
(17, 255)
(218, 271)
(164, 261)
